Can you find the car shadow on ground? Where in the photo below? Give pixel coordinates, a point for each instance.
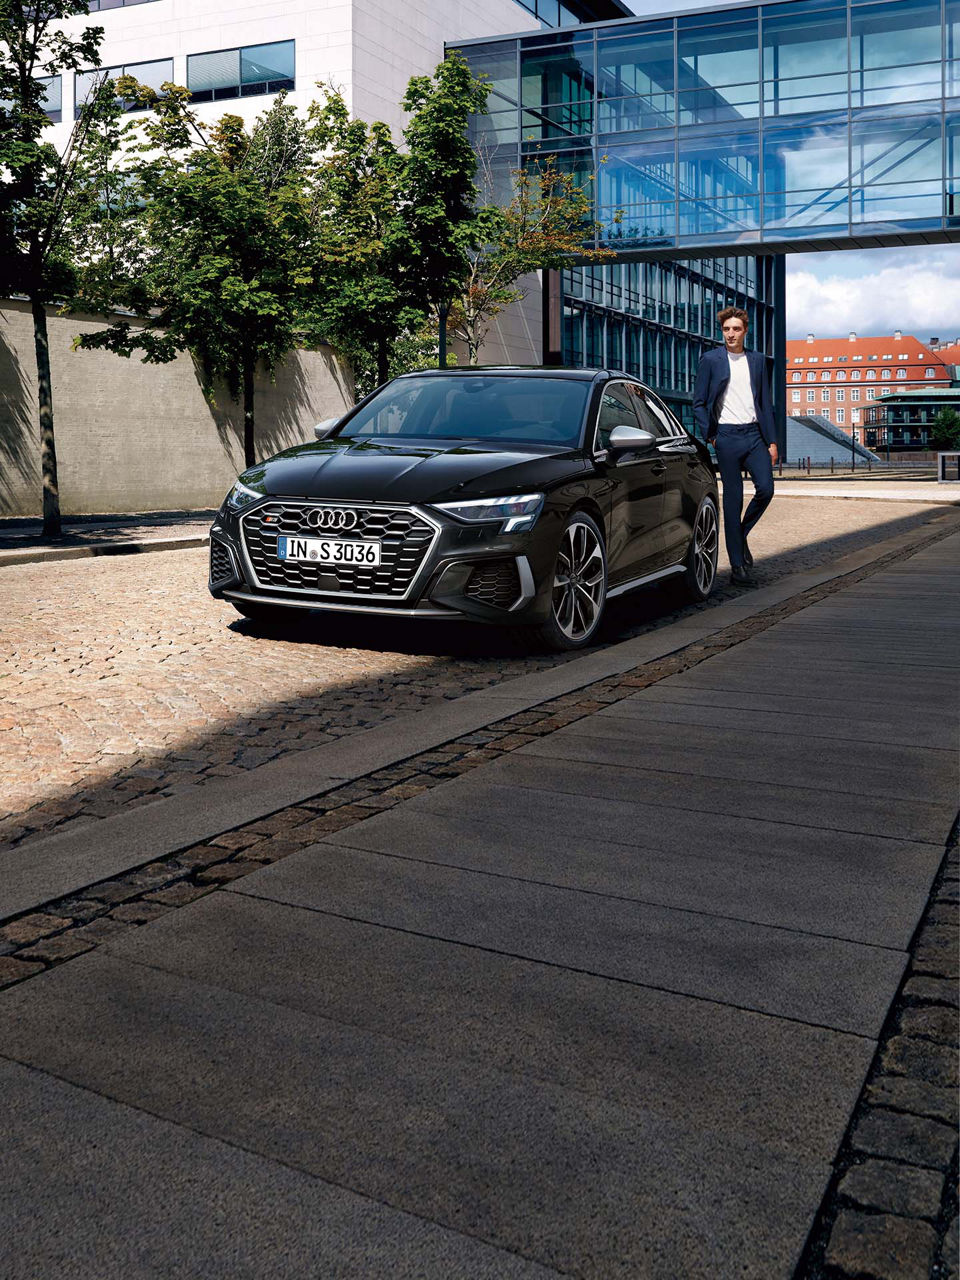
(479, 656)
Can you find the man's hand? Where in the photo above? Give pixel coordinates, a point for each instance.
(774, 454)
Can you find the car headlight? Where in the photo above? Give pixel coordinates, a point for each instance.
(241, 496)
(518, 514)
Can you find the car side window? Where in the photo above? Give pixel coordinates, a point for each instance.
(616, 410)
(649, 417)
(671, 425)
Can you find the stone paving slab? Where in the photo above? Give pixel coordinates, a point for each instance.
(732, 1070)
(395, 1122)
(770, 801)
(715, 709)
(775, 873)
(887, 770)
(824, 981)
(106, 1191)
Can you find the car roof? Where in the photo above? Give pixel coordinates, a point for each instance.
(514, 370)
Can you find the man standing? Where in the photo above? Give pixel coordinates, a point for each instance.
(733, 407)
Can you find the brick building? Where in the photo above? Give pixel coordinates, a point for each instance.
(838, 377)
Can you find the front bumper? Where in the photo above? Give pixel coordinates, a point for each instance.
(467, 571)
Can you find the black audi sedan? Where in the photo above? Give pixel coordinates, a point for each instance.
(501, 495)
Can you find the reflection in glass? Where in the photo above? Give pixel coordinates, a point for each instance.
(557, 74)
(889, 43)
(730, 215)
(497, 64)
(718, 163)
(566, 120)
(717, 55)
(635, 72)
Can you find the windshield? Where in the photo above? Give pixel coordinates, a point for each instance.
(512, 409)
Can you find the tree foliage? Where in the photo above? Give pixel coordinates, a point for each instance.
(216, 248)
(546, 223)
(38, 194)
(945, 430)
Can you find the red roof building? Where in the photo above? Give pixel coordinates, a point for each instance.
(839, 377)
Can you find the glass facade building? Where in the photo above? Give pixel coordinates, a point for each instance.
(714, 141)
(765, 126)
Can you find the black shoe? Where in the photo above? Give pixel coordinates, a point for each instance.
(747, 557)
(740, 578)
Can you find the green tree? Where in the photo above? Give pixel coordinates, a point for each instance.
(368, 301)
(37, 196)
(218, 244)
(945, 429)
(543, 227)
(440, 189)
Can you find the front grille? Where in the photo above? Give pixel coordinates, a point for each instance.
(405, 539)
(496, 584)
(221, 566)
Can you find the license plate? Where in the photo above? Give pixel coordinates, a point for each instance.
(328, 550)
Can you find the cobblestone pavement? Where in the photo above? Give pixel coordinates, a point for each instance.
(121, 678)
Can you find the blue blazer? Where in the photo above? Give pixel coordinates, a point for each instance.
(712, 378)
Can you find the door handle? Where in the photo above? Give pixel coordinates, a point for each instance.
(658, 468)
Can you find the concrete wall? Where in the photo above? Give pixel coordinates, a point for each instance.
(138, 437)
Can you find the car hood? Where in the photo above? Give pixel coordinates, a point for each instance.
(412, 471)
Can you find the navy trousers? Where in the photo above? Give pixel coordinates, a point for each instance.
(739, 448)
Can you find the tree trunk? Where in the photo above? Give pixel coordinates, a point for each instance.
(48, 446)
(249, 372)
(383, 361)
(443, 310)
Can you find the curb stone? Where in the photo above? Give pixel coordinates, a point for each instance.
(890, 1211)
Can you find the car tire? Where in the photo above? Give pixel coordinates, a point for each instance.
(700, 574)
(579, 586)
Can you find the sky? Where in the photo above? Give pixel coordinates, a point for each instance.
(875, 291)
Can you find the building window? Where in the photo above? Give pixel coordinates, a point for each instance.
(151, 74)
(840, 417)
(795, 377)
(902, 355)
(885, 375)
(241, 73)
(930, 371)
(828, 359)
(811, 377)
(854, 393)
(856, 436)
(798, 359)
(843, 359)
(825, 376)
(871, 375)
(825, 395)
(855, 375)
(795, 397)
(841, 395)
(52, 100)
(811, 397)
(901, 375)
(888, 357)
(854, 415)
(814, 359)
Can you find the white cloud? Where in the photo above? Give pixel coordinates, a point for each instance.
(875, 292)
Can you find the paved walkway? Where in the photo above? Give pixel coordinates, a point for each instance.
(602, 1007)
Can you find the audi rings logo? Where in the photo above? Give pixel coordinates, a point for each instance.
(332, 519)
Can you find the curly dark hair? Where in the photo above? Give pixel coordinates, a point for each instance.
(729, 313)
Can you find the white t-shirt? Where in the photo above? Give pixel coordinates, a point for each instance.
(738, 405)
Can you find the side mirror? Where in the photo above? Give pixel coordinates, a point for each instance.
(624, 437)
(323, 429)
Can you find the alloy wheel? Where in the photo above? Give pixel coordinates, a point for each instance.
(580, 581)
(705, 543)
